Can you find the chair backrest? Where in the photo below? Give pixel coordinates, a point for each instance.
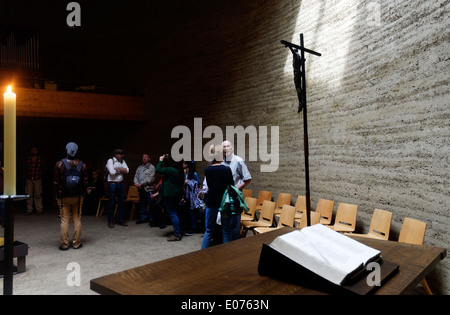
(287, 216)
(251, 203)
(247, 192)
(315, 219)
(263, 195)
(380, 225)
(300, 205)
(267, 211)
(133, 192)
(325, 208)
(106, 189)
(283, 199)
(346, 215)
(412, 232)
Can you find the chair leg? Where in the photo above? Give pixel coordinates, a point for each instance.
(426, 286)
(98, 208)
(103, 209)
(132, 212)
(244, 232)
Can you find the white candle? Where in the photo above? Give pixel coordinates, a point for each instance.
(9, 111)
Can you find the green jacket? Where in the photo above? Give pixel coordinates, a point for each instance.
(225, 204)
(172, 184)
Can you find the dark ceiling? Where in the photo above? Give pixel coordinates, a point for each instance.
(107, 48)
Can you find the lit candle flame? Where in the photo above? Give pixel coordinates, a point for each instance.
(9, 89)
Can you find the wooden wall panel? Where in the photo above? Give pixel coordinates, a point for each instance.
(63, 104)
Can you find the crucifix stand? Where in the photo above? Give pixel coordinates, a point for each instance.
(300, 86)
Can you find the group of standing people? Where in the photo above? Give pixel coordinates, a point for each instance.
(226, 169)
(179, 187)
(180, 192)
(72, 171)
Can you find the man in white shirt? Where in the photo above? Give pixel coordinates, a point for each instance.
(116, 168)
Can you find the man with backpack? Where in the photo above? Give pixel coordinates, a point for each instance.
(70, 181)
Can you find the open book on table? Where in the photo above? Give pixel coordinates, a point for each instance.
(329, 254)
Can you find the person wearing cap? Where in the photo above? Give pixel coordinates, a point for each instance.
(70, 201)
(116, 168)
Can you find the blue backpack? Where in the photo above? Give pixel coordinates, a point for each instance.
(72, 179)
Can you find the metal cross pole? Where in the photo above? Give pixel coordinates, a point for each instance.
(300, 85)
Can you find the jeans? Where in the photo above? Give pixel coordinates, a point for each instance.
(116, 190)
(171, 206)
(193, 219)
(210, 226)
(231, 228)
(144, 201)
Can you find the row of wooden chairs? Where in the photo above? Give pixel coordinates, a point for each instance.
(412, 231)
(288, 216)
(324, 207)
(132, 196)
(346, 214)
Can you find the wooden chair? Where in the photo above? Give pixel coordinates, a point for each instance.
(282, 199)
(101, 206)
(265, 218)
(413, 232)
(380, 225)
(247, 192)
(262, 196)
(133, 197)
(250, 214)
(315, 219)
(104, 198)
(345, 218)
(300, 207)
(286, 219)
(325, 208)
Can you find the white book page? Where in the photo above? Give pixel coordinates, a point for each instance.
(323, 251)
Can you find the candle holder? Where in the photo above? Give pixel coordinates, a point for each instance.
(9, 200)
